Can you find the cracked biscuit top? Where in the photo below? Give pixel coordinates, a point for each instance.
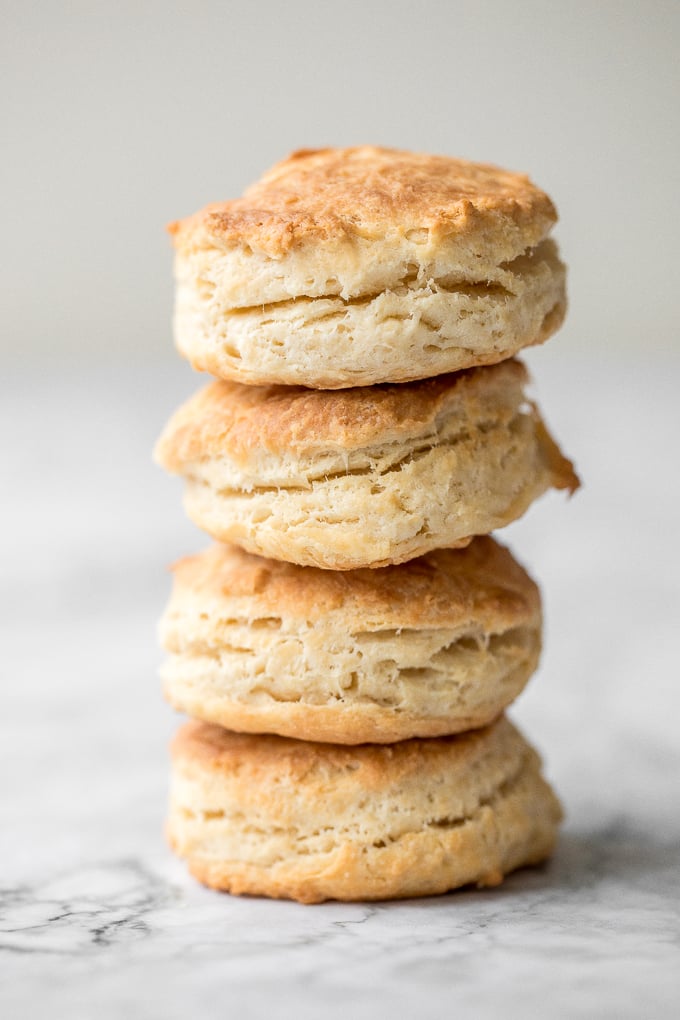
(370, 193)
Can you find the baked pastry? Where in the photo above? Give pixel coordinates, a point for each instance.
(269, 816)
(435, 646)
(349, 267)
(366, 476)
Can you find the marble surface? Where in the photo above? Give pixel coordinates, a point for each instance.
(98, 920)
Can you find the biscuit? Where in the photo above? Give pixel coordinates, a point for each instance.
(365, 476)
(349, 267)
(269, 816)
(435, 646)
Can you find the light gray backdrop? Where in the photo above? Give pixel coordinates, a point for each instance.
(122, 116)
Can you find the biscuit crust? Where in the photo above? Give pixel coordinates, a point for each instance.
(435, 646)
(368, 191)
(263, 815)
(362, 477)
(346, 267)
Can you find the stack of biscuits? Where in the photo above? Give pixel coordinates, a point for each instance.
(347, 647)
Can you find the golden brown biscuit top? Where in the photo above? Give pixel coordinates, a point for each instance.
(374, 765)
(229, 416)
(369, 192)
(481, 584)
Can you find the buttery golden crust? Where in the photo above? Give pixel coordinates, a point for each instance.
(349, 267)
(294, 420)
(366, 476)
(482, 583)
(435, 646)
(368, 192)
(268, 816)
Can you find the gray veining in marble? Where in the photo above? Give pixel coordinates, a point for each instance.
(96, 918)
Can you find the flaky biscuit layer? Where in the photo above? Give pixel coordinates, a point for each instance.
(362, 477)
(418, 328)
(275, 817)
(435, 646)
